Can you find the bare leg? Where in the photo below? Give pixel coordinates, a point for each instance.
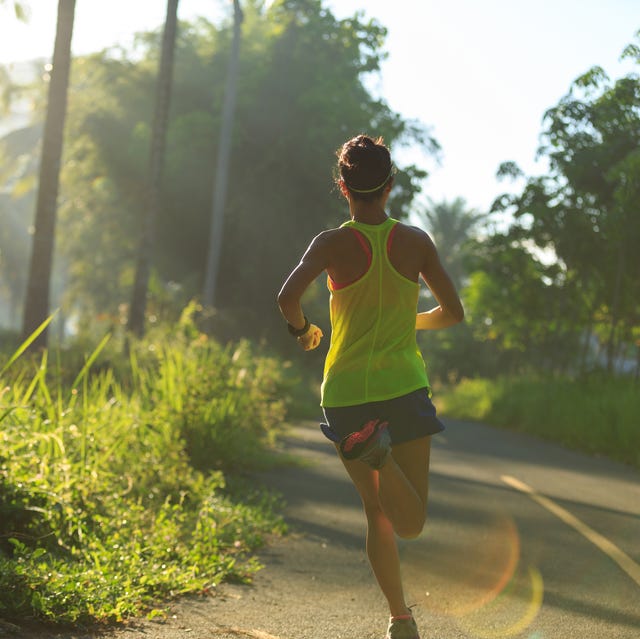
(404, 487)
(401, 486)
(382, 549)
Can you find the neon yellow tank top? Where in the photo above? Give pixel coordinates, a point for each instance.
(373, 353)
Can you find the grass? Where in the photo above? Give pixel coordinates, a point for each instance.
(121, 482)
(594, 415)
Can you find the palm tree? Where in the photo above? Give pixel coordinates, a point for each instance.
(222, 169)
(451, 226)
(156, 162)
(38, 284)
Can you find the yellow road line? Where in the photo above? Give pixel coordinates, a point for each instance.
(255, 634)
(609, 548)
(244, 632)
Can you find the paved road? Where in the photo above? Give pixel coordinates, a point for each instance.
(495, 560)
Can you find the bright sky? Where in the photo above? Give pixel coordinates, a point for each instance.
(480, 74)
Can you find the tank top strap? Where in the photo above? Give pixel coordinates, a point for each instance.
(379, 236)
(392, 232)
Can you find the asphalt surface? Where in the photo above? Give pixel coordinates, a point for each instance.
(493, 561)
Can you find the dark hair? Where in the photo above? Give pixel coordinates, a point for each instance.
(365, 164)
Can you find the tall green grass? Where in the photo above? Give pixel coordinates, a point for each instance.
(595, 415)
(119, 483)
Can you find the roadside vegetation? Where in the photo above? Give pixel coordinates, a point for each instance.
(123, 480)
(597, 415)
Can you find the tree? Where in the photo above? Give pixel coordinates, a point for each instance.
(300, 95)
(222, 167)
(17, 202)
(455, 353)
(452, 226)
(521, 305)
(593, 138)
(585, 209)
(156, 161)
(38, 287)
(305, 70)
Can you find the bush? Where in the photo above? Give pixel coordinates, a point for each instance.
(115, 489)
(226, 403)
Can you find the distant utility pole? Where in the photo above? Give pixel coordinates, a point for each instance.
(222, 167)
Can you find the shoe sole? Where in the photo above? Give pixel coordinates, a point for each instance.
(355, 444)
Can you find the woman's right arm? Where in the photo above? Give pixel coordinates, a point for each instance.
(313, 262)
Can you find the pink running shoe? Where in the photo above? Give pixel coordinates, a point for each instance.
(371, 444)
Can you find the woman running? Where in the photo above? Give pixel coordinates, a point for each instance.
(375, 391)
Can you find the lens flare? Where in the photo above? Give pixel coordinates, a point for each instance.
(511, 613)
(466, 571)
(474, 573)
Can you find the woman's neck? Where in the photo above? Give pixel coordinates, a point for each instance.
(367, 212)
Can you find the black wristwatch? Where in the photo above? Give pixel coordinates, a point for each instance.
(299, 332)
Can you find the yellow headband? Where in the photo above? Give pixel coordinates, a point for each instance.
(377, 188)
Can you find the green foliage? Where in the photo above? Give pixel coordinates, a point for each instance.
(585, 210)
(225, 415)
(456, 353)
(18, 167)
(300, 95)
(453, 227)
(598, 415)
(115, 484)
(453, 354)
(520, 307)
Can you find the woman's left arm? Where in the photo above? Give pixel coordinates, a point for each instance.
(449, 310)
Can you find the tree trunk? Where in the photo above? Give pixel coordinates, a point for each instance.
(156, 162)
(36, 308)
(586, 346)
(615, 311)
(222, 169)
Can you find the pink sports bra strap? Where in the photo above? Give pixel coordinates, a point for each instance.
(363, 243)
(336, 286)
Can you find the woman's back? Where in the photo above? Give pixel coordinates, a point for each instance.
(349, 260)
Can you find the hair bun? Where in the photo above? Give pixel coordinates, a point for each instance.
(365, 165)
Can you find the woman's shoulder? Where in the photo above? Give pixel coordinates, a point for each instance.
(329, 239)
(412, 235)
(333, 235)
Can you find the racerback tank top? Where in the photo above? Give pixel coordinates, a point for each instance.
(373, 355)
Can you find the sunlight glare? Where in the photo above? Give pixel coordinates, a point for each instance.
(511, 613)
(477, 579)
